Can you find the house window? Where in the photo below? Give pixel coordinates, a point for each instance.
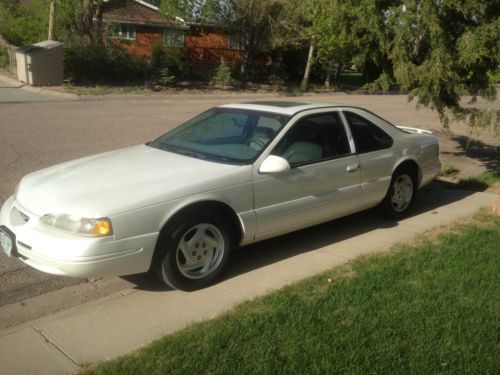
(126, 32)
(236, 42)
(173, 37)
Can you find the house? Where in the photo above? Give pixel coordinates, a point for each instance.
(138, 26)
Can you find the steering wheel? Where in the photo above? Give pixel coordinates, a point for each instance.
(255, 142)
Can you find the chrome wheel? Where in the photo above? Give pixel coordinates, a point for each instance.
(200, 251)
(402, 193)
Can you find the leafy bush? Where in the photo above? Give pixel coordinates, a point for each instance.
(161, 72)
(164, 77)
(4, 57)
(222, 74)
(99, 63)
(494, 77)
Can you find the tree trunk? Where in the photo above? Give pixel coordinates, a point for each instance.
(305, 81)
(98, 15)
(243, 66)
(87, 20)
(52, 21)
(337, 73)
(329, 69)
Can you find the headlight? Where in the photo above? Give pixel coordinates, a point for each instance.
(83, 226)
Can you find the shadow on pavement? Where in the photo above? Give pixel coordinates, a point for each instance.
(270, 251)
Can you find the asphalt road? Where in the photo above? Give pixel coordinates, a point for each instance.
(37, 133)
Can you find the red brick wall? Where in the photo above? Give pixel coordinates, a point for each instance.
(208, 47)
(206, 39)
(145, 40)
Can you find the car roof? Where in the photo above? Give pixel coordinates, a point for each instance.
(280, 106)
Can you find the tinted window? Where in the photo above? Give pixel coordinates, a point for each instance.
(367, 136)
(313, 139)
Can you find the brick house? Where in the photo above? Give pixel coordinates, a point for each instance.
(138, 26)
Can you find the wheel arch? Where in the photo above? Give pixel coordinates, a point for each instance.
(412, 164)
(235, 221)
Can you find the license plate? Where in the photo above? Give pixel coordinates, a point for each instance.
(5, 242)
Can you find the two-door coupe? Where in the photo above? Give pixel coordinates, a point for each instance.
(231, 176)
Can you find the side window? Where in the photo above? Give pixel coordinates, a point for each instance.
(313, 139)
(367, 136)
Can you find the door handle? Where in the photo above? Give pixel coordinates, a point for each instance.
(352, 167)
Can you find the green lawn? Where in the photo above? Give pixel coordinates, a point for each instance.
(481, 182)
(424, 309)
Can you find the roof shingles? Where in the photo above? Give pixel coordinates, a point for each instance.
(131, 11)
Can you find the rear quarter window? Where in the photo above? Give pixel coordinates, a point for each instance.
(367, 136)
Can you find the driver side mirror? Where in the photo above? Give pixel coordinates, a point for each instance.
(274, 164)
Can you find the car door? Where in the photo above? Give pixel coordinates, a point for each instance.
(376, 155)
(323, 182)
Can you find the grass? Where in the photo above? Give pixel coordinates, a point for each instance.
(103, 89)
(481, 182)
(429, 308)
(448, 169)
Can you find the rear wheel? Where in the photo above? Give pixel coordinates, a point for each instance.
(193, 251)
(401, 193)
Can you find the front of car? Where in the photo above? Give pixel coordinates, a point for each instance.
(63, 219)
(102, 215)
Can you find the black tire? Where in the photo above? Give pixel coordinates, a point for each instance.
(400, 195)
(171, 264)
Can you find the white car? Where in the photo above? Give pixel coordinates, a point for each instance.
(233, 175)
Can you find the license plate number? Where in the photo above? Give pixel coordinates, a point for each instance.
(5, 242)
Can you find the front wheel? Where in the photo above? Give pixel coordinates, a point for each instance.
(401, 193)
(193, 253)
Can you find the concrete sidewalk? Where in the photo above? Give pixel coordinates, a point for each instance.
(14, 91)
(119, 323)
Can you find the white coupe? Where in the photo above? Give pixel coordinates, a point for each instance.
(233, 175)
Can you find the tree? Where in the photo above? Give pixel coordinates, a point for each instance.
(252, 20)
(191, 9)
(443, 51)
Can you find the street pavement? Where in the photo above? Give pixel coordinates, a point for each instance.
(116, 324)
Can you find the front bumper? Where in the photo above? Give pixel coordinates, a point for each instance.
(60, 253)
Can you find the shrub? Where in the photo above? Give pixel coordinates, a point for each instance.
(161, 72)
(494, 77)
(4, 57)
(222, 74)
(164, 77)
(98, 63)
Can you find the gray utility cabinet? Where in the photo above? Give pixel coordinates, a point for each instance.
(41, 64)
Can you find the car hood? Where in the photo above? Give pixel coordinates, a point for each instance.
(118, 181)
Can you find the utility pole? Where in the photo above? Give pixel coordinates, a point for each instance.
(52, 20)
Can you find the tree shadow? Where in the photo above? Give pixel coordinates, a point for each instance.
(487, 154)
(261, 254)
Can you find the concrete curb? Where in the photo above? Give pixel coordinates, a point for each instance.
(116, 324)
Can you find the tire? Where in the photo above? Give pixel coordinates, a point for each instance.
(401, 193)
(193, 251)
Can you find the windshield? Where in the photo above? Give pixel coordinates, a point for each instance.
(224, 135)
